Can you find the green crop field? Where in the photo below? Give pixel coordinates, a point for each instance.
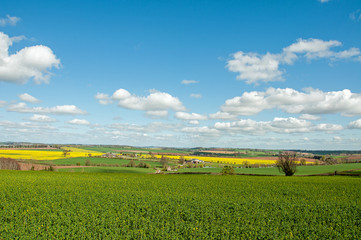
(97, 160)
(107, 170)
(56, 205)
(301, 170)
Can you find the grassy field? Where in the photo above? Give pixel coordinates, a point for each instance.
(108, 170)
(55, 205)
(301, 170)
(98, 160)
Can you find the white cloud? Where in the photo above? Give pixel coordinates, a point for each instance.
(41, 118)
(27, 126)
(355, 124)
(2, 103)
(154, 127)
(222, 116)
(250, 103)
(60, 110)
(189, 116)
(254, 67)
(277, 125)
(309, 117)
(200, 130)
(196, 95)
(337, 138)
(311, 101)
(155, 101)
(157, 114)
(30, 62)
(187, 82)
(28, 98)
(103, 98)
(79, 122)
(194, 122)
(9, 20)
(316, 48)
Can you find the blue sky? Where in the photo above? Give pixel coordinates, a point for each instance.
(247, 74)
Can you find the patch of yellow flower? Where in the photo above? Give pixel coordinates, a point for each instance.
(45, 155)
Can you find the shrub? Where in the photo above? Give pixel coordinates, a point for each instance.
(88, 162)
(227, 170)
(143, 165)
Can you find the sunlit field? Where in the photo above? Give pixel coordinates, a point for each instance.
(55, 205)
(46, 155)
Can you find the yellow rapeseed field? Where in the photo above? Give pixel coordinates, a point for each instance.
(45, 155)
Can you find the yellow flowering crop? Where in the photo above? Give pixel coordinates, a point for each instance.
(44, 155)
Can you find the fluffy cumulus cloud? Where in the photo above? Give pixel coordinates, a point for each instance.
(309, 102)
(29, 63)
(277, 125)
(41, 118)
(355, 124)
(28, 98)
(155, 103)
(309, 117)
(59, 110)
(250, 103)
(9, 20)
(103, 98)
(254, 67)
(82, 122)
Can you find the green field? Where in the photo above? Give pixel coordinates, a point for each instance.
(97, 160)
(301, 170)
(108, 170)
(55, 205)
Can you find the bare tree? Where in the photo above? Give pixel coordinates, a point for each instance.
(287, 162)
(8, 163)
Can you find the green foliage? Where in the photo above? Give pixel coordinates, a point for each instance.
(227, 170)
(143, 165)
(43, 205)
